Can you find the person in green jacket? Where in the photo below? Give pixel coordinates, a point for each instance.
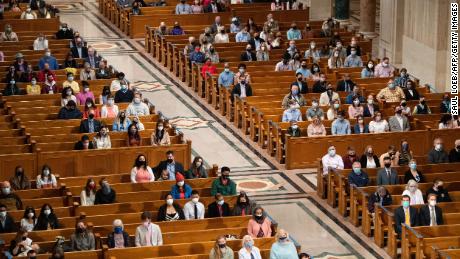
(223, 184)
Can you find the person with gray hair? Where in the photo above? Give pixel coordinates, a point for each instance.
(248, 250)
(119, 238)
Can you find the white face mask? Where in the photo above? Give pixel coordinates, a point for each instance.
(169, 201)
(47, 212)
(315, 104)
(180, 184)
(46, 172)
(195, 200)
(110, 102)
(221, 202)
(370, 101)
(137, 100)
(198, 164)
(160, 127)
(331, 152)
(2, 214)
(356, 102)
(432, 203)
(438, 147)
(6, 190)
(30, 215)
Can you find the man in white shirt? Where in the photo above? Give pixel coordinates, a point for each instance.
(194, 209)
(148, 234)
(331, 160)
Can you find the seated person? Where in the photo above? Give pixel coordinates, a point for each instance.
(119, 238)
(121, 123)
(197, 169)
(19, 181)
(259, 225)
(223, 185)
(82, 239)
(293, 129)
(442, 195)
(295, 96)
(316, 128)
(83, 96)
(346, 84)
(355, 109)
(350, 158)
(137, 107)
(194, 209)
(91, 108)
(454, 154)
(328, 96)
(170, 211)
(8, 197)
(292, 113)
(134, 138)
(84, 143)
(171, 165)
(47, 219)
(46, 179)
(340, 126)
(430, 214)
(160, 137)
(369, 159)
(110, 109)
(398, 122)
(381, 196)
(7, 224)
(410, 92)
(244, 206)
(413, 173)
(242, 89)
(86, 73)
(437, 154)
(148, 234)
(405, 214)
(141, 172)
(412, 190)
(219, 208)
(71, 83)
(377, 124)
(333, 110)
(360, 127)
(358, 177)
(105, 195)
(331, 161)
(124, 95)
(315, 110)
(90, 125)
(181, 190)
(391, 94)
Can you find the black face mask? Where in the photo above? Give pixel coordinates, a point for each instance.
(222, 245)
(20, 173)
(169, 160)
(140, 163)
(258, 217)
(225, 177)
(387, 165)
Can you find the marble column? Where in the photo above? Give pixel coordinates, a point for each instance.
(367, 14)
(342, 12)
(319, 9)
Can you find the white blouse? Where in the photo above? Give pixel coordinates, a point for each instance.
(371, 163)
(415, 198)
(87, 200)
(378, 127)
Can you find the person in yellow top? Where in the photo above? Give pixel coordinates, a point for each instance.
(71, 83)
(33, 88)
(391, 94)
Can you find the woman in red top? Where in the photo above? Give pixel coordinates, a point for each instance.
(141, 172)
(90, 107)
(134, 139)
(208, 68)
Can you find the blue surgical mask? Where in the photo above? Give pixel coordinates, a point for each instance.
(295, 92)
(357, 170)
(118, 230)
(413, 166)
(406, 204)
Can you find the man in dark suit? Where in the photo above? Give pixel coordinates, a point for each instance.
(301, 83)
(93, 59)
(387, 175)
(370, 107)
(84, 143)
(7, 224)
(64, 32)
(430, 214)
(242, 89)
(410, 92)
(405, 214)
(345, 85)
(90, 125)
(256, 41)
(213, 7)
(219, 208)
(170, 165)
(248, 55)
(79, 50)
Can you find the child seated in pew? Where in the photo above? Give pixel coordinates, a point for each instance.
(181, 190)
(33, 88)
(29, 220)
(84, 143)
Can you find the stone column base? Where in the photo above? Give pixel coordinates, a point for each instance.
(369, 35)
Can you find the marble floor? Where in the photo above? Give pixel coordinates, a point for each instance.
(288, 196)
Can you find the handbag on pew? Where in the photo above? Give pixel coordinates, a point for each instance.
(60, 243)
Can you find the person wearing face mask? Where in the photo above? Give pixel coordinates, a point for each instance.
(353, 60)
(422, 107)
(196, 7)
(29, 219)
(412, 190)
(369, 159)
(121, 123)
(248, 55)
(221, 250)
(243, 35)
(292, 113)
(442, 195)
(437, 154)
(283, 247)
(70, 111)
(346, 84)
(109, 109)
(370, 108)
(354, 44)
(170, 211)
(87, 73)
(454, 154)
(11, 88)
(405, 154)
(350, 158)
(194, 209)
(105, 195)
(79, 50)
(90, 124)
(134, 138)
(181, 190)
(242, 75)
(84, 143)
(197, 169)
(7, 224)
(406, 111)
(67, 95)
(398, 122)
(384, 69)
(393, 154)
(115, 85)
(405, 214)
(118, 238)
(160, 137)
(259, 225)
(40, 43)
(70, 82)
(124, 95)
(328, 96)
(335, 61)
(102, 139)
(387, 175)
(47, 219)
(413, 173)
(248, 250)
(171, 165)
(141, 172)
(221, 36)
(355, 110)
(381, 196)
(378, 124)
(358, 177)
(284, 64)
(244, 206)
(333, 110)
(8, 34)
(86, 94)
(295, 96)
(242, 89)
(340, 126)
(162, 29)
(294, 33)
(316, 128)
(137, 107)
(430, 214)
(104, 71)
(402, 79)
(64, 32)
(226, 77)
(271, 25)
(136, 9)
(19, 181)
(82, 239)
(218, 208)
(445, 105)
(305, 73)
(321, 83)
(410, 91)
(88, 194)
(331, 161)
(313, 52)
(315, 110)
(294, 130)
(360, 127)
(46, 179)
(183, 8)
(368, 70)
(224, 185)
(47, 58)
(263, 53)
(33, 88)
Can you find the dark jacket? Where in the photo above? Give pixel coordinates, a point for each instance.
(175, 191)
(17, 184)
(319, 87)
(349, 160)
(43, 221)
(341, 85)
(162, 212)
(359, 180)
(248, 209)
(245, 57)
(294, 133)
(178, 167)
(356, 129)
(252, 42)
(11, 90)
(201, 173)
(363, 161)
(400, 218)
(454, 156)
(436, 157)
(84, 126)
(65, 114)
(208, 9)
(96, 58)
(102, 198)
(409, 97)
(111, 239)
(213, 210)
(79, 145)
(375, 198)
(67, 34)
(124, 97)
(237, 90)
(367, 113)
(303, 86)
(9, 226)
(424, 216)
(11, 201)
(408, 176)
(441, 195)
(70, 63)
(383, 179)
(84, 52)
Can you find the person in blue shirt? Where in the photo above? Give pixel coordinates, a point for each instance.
(360, 127)
(243, 35)
(340, 126)
(358, 177)
(355, 93)
(283, 247)
(368, 70)
(226, 77)
(301, 83)
(306, 73)
(197, 56)
(294, 33)
(353, 60)
(47, 58)
(181, 190)
(292, 113)
(402, 79)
